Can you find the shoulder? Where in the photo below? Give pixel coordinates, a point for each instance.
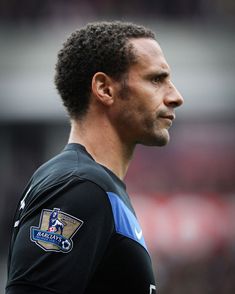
(73, 162)
(74, 177)
(86, 198)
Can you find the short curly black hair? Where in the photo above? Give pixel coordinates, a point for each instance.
(100, 46)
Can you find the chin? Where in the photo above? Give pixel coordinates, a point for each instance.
(159, 140)
(163, 143)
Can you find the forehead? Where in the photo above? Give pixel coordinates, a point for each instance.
(149, 55)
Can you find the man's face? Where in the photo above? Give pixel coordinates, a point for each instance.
(146, 104)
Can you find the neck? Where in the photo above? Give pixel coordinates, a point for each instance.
(103, 144)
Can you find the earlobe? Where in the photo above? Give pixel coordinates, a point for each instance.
(102, 88)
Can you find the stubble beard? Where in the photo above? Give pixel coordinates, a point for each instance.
(155, 138)
(154, 134)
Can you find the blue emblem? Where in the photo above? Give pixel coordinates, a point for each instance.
(55, 231)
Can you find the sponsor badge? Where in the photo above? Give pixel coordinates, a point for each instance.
(55, 231)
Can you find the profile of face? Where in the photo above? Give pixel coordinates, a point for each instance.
(146, 103)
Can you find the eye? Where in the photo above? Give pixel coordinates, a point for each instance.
(159, 78)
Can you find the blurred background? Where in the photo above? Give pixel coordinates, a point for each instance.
(184, 193)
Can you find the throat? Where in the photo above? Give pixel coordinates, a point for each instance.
(105, 146)
(112, 158)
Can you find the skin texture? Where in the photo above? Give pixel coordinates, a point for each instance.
(137, 110)
(147, 109)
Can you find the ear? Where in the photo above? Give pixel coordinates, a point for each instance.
(102, 88)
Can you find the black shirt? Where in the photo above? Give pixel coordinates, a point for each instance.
(75, 231)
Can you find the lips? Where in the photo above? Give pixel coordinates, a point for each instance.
(168, 116)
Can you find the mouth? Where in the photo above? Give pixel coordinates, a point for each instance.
(170, 117)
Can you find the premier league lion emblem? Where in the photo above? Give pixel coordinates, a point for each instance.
(54, 224)
(55, 231)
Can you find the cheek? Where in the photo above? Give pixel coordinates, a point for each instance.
(139, 107)
(147, 115)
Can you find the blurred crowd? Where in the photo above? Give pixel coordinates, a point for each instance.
(212, 274)
(29, 11)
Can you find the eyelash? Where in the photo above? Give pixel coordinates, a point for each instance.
(157, 79)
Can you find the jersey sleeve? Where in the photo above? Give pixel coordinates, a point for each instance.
(58, 248)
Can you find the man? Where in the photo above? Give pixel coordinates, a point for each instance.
(75, 229)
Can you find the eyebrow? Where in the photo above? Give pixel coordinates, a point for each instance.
(160, 74)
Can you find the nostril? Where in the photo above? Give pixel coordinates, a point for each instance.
(175, 104)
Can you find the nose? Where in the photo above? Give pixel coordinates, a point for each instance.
(173, 97)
